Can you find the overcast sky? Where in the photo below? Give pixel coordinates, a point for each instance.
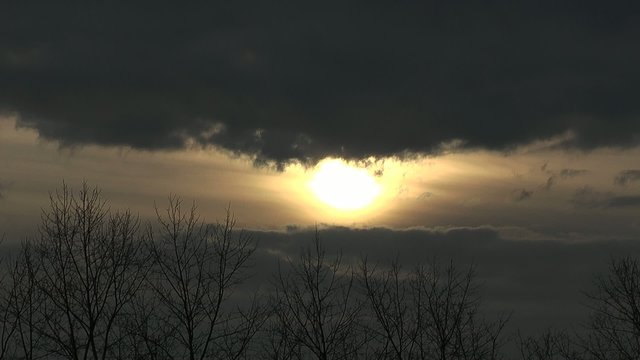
(503, 132)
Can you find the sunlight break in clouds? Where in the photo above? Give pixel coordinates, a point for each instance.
(344, 187)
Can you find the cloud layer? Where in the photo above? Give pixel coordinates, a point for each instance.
(299, 82)
(541, 281)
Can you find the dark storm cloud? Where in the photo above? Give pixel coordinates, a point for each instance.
(300, 81)
(586, 197)
(541, 281)
(627, 176)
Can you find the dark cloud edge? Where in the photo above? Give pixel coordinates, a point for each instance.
(560, 142)
(449, 238)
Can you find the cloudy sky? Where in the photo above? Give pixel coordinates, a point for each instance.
(501, 132)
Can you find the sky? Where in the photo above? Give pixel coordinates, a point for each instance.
(503, 133)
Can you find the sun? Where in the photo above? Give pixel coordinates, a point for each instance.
(344, 187)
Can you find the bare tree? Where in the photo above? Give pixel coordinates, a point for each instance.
(89, 269)
(7, 320)
(614, 324)
(447, 304)
(612, 330)
(27, 305)
(388, 295)
(197, 266)
(147, 339)
(317, 312)
(550, 345)
(428, 313)
(278, 343)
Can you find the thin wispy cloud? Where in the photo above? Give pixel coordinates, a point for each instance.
(587, 197)
(627, 177)
(571, 173)
(521, 195)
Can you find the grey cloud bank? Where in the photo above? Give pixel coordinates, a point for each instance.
(541, 281)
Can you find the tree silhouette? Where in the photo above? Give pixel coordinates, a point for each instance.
(612, 330)
(196, 268)
(95, 284)
(431, 312)
(89, 268)
(549, 345)
(614, 324)
(27, 307)
(394, 323)
(316, 313)
(8, 322)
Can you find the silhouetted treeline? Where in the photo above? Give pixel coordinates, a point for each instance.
(99, 284)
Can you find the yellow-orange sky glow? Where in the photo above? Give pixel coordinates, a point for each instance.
(474, 188)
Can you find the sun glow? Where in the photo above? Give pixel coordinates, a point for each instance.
(344, 187)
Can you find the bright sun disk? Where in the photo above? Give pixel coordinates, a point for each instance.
(344, 187)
